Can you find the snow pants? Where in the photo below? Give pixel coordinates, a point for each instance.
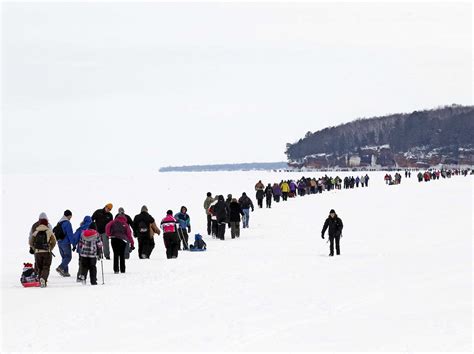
(221, 230)
(235, 229)
(88, 264)
(269, 201)
(214, 227)
(209, 225)
(171, 241)
(260, 203)
(105, 242)
(118, 247)
(285, 196)
(331, 244)
(43, 264)
(146, 244)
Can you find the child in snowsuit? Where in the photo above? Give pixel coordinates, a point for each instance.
(90, 249)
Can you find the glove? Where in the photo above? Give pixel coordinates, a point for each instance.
(99, 255)
(32, 251)
(252, 209)
(189, 229)
(74, 248)
(322, 236)
(132, 248)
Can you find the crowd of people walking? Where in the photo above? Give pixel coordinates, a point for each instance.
(101, 234)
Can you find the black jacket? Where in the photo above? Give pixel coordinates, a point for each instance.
(235, 212)
(220, 211)
(245, 202)
(101, 218)
(269, 192)
(260, 194)
(144, 217)
(335, 226)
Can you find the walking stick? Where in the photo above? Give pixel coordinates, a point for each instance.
(102, 267)
(182, 237)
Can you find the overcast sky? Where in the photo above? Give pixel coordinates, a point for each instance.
(135, 86)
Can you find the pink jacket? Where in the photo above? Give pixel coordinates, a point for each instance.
(168, 224)
(122, 220)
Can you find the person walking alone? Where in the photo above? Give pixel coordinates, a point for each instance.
(334, 223)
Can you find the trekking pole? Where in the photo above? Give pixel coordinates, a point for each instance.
(102, 267)
(182, 238)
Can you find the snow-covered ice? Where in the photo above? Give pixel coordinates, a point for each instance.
(402, 283)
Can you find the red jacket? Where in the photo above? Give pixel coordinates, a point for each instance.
(168, 224)
(126, 236)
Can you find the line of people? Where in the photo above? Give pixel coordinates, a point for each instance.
(230, 212)
(98, 233)
(430, 175)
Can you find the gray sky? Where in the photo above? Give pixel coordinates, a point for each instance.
(126, 87)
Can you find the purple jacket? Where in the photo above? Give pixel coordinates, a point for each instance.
(276, 189)
(292, 186)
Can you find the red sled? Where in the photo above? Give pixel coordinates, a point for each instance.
(34, 284)
(29, 279)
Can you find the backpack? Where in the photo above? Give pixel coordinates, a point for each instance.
(118, 230)
(59, 232)
(41, 241)
(143, 228)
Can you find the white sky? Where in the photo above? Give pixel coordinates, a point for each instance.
(97, 87)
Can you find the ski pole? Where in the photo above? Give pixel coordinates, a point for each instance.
(102, 267)
(182, 237)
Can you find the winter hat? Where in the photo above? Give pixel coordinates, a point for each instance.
(67, 212)
(169, 212)
(244, 194)
(144, 208)
(209, 194)
(121, 211)
(229, 196)
(332, 211)
(109, 205)
(87, 222)
(43, 216)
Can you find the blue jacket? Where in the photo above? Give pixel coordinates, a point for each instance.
(86, 223)
(184, 220)
(67, 229)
